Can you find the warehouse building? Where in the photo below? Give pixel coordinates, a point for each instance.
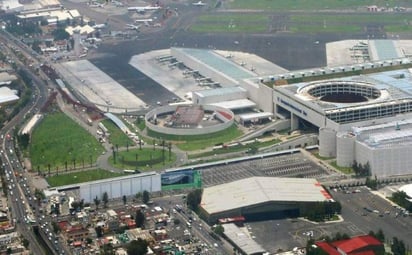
(259, 198)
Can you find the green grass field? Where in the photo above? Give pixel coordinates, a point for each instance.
(347, 23)
(57, 139)
(79, 177)
(284, 5)
(117, 137)
(304, 23)
(199, 142)
(147, 159)
(231, 23)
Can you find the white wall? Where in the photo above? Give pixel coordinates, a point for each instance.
(117, 187)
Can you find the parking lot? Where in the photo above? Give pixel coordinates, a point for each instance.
(295, 165)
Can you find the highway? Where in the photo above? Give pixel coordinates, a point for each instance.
(20, 194)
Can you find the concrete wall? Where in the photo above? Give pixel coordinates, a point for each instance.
(117, 187)
(300, 110)
(189, 131)
(385, 161)
(259, 93)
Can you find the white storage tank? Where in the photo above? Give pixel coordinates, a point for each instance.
(345, 149)
(327, 142)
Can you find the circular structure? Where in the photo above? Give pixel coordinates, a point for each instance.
(345, 146)
(342, 91)
(189, 119)
(327, 142)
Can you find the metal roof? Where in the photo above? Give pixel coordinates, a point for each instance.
(242, 239)
(219, 91)
(255, 115)
(383, 50)
(219, 63)
(235, 104)
(258, 190)
(117, 121)
(7, 95)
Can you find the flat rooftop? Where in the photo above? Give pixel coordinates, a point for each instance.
(218, 62)
(242, 239)
(98, 87)
(394, 133)
(258, 190)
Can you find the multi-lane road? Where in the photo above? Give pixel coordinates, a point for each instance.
(23, 207)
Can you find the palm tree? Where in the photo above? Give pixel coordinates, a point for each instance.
(97, 202)
(105, 199)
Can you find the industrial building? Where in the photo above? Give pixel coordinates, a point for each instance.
(261, 198)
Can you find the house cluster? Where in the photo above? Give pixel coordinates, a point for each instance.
(90, 232)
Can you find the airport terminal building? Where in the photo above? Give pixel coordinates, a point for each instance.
(364, 118)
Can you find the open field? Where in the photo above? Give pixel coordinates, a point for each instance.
(57, 141)
(231, 23)
(348, 23)
(279, 5)
(198, 142)
(79, 177)
(117, 137)
(147, 159)
(303, 23)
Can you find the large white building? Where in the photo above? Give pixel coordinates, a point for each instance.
(363, 118)
(261, 197)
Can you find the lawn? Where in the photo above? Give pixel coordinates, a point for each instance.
(346, 23)
(199, 142)
(117, 137)
(147, 159)
(345, 170)
(79, 177)
(58, 139)
(284, 5)
(231, 23)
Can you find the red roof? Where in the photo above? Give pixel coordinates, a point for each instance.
(356, 243)
(327, 248)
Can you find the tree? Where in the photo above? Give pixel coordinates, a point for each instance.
(219, 229)
(56, 227)
(194, 198)
(145, 197)
(139, 219)
(60, 34)
(99, 231)
(137, 247)
(124, 199)
(23, 140)
(25, 243)
(380, 236)
(176, 221)
(97, 202)
(398, 247)
(105, 199)
(311, 249)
